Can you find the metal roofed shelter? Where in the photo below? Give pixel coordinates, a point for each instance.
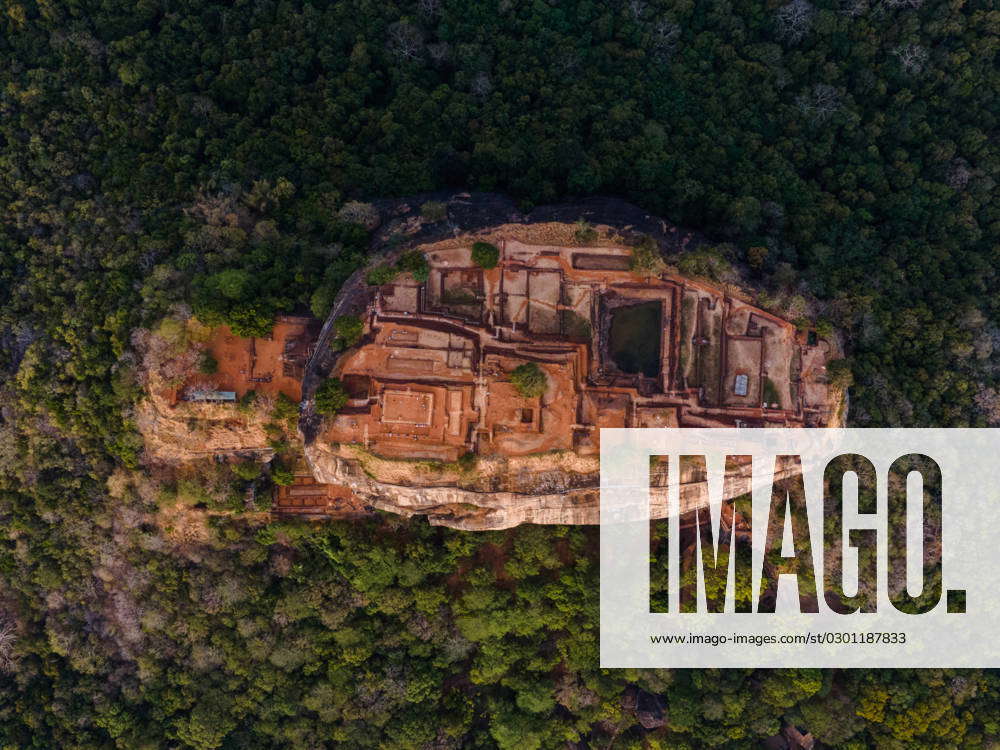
(741, 384)
(210, 395)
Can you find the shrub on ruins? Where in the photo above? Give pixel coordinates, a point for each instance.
(331, 396)
(281, 474)
(247, 401)
(646, 258)
(348, 329)
(277, 437)
(207, 364)
(771, 395)
(414, 263)
(584, 233)
(485, 255)
(285, 409)
(381, 274)
(248, 470)
(467, 461)
(708, 263)
(529, 380)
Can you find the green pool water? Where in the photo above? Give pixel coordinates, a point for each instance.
(634, 342)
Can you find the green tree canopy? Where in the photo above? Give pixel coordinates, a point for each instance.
(331, 397)
(348, 329)
(381, 274)
(529, 379)
(485, 255)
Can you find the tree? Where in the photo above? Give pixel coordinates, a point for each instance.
(406, 41)
(251, 320)
(207, 364)
(756, 257)
(415, 263)
(364, 214)
(331, 397)
(383, 273)
(664, 35)
(988, 403)
(208, 722)
(825, 328)
(529, 379)
(912, 57)
(485, 255)
(793, 20)
(233, 283)
(8, 640)
(348, 329)
(819, 103)
(285, 409)
(839, 373)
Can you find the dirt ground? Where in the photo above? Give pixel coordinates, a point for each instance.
(544, 293)
(709, 350)
(261, 364)
(689, 321)
(736, 324)
(520, 425)
(743, 356)
(400, 297)
(814, 378)
(779, 350)
(407, 407)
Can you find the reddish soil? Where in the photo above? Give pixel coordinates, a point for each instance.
(267, 365)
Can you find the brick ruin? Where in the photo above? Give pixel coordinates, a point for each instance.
(431, 376)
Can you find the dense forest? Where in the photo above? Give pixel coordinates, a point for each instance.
(165, 156)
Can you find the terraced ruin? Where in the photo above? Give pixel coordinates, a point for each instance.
(435, 424)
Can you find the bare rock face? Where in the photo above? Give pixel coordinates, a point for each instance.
(186, 431)
(648, 708)
(449, 504)
(445, 497)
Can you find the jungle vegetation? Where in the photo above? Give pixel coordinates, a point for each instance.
(219, 159)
